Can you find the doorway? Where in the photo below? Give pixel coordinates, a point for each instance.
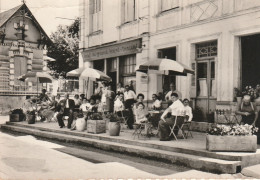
(206, 54)
(250, 47)
(168, 53)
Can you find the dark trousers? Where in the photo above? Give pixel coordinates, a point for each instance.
(66, 112)
(164, 129)
(128, 105)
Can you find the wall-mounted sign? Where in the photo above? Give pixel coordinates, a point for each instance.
(120, 49)
(144, 79)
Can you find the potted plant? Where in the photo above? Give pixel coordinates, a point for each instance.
(81, 123)
(237, 95)
(16, 115)
(31, 116)
(96, 124)
(238, 138)
(114, 125)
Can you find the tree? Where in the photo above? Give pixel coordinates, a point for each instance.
(64, 48)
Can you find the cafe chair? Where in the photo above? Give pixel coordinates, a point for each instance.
(142, 129)
(186, 129)
(172, 127)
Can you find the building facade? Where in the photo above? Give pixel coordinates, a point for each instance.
(22, 49)
(219, 39)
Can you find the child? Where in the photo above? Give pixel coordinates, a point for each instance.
(188, 111)
(141, 113)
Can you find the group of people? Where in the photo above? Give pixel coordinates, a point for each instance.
(124, 102)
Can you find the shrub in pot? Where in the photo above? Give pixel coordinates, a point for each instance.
(114, 125)
(17, 115)
(31, 116)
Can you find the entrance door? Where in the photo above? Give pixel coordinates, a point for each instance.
(250, 46)
(206, 86)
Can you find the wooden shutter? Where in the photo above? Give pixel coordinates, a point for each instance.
(130, 10)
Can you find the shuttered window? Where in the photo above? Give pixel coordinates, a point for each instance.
(20, 68)
(169, 4)
(95, 15)
(128, 11)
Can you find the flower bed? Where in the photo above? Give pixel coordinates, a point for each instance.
(238, 138)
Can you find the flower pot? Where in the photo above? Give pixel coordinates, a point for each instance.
(14, 118)
(114, 128)
(31, 119)
(231, 143)
(80, 124)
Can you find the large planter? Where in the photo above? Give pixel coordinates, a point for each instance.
(96, 126)
(231, 143)
(114, 128)
(31, 119)
(14, 118)
(81, 124)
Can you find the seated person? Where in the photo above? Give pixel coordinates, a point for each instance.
(119, 103)
(85, 105)
(43, 95)
(175, 108)
(45, 112)
(65, 108)
(27, 106)
(248, 111)
(53, 104)
(188, 111)
(140, 98)
(141, 113)
(88, 107)
(77, 105)
(157, 104)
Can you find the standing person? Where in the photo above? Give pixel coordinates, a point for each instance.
(120, 88)
(248, 111)
(173, 90)
(104, 96)
(188, 110)
(82, 97)
(110, 96)
(58, 98)
(176, 108)
(97, 91)
(65, 108)
(129, 96)
(131, 86)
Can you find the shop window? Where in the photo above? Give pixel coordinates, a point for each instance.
(95, 15)
(169, 4)
(127, 69)
(99, 65)
(128, 10)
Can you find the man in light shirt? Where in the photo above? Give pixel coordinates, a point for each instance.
(129, 101)
(176, 110)
(173, 90)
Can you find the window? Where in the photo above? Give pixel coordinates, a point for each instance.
(95, 15)
(128, 11)
(127, 69)
(208, 49)
(169, 4)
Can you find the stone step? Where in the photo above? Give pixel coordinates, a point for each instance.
(203, 153)
(192, 161)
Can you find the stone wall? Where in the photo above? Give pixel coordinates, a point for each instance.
(10, 102)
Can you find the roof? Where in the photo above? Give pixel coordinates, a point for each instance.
(4, 16)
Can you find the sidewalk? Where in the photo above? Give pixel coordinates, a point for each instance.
(23, 160)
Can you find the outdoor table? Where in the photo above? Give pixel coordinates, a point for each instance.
(155, 117)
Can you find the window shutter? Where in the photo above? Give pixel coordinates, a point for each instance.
(91, 6)
(130, 10)
(123, 11)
